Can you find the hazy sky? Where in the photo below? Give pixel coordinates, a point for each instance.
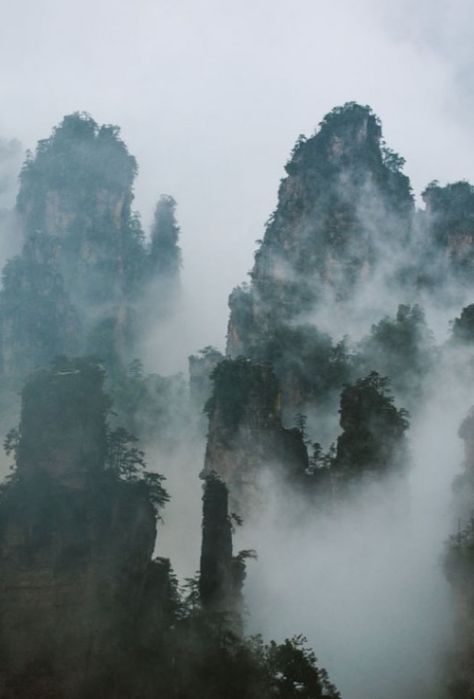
(211, 96)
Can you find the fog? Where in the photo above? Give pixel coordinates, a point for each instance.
(210, 97)
(364, 581)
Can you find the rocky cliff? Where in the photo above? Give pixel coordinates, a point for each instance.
(344, 209)
(343, 205)
(246, 435)
(76, 544)
(448, 227)
(221, 573)
(78, 284)
(85, 611)
(459, 569)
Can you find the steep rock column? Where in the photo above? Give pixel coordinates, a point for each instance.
(76, 543)
(216, 584)
(246, 435)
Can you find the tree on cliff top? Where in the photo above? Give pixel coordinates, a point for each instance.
(79, 156)
(165, 253)
(373, 429)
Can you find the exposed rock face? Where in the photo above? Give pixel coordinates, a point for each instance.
(84, 264)
(449, 229)
(201, 367)
(61, 438)
(246, 433)
(459, 568)
(344, 207)
(75, 550)
(220, 581)
(464, 483)
(344, 199)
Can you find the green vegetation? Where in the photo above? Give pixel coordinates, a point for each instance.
(463, 327)
(344, 201)
(165, 254)
(78, 285)
(309, 366)
(235, 381)
(78, 484)
(64, 433)
(401, 348)
(449, 221)
(373, 429)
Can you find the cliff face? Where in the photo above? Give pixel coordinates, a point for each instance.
(344, 209)
(449, 233)
(221, 573)
(459, 569)
(84, 610)
(201, 367)
(78, 285)
(75, 548)
(459, 562)
(73, 571)
(343, 203)
(82, 248)
(246, 434)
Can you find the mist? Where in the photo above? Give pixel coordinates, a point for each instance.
(210, 99)
(364, 581)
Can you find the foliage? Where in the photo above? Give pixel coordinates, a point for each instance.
(128, 462)
(344, 200)
(201, 367)
(449, 220)
(372, 439)
(78, 159)
(84, 264)
(66, 404)
(293, 671)
(165, 254)
(305, 360)
(392, 160)
(12, 441)
(235, 382)
(38, 318)
(463, 327)
(252, 669)
(401, 348)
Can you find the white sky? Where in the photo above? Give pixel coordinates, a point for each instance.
(211, 96)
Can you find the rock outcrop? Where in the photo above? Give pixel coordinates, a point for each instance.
(221, 573)
(201, 366)
(246, 434)
(373, 431)
(344, 209)
(459, 569)
(79, 284)
(448, 224)
(78, 583)
(343, 204)
(165, 255)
